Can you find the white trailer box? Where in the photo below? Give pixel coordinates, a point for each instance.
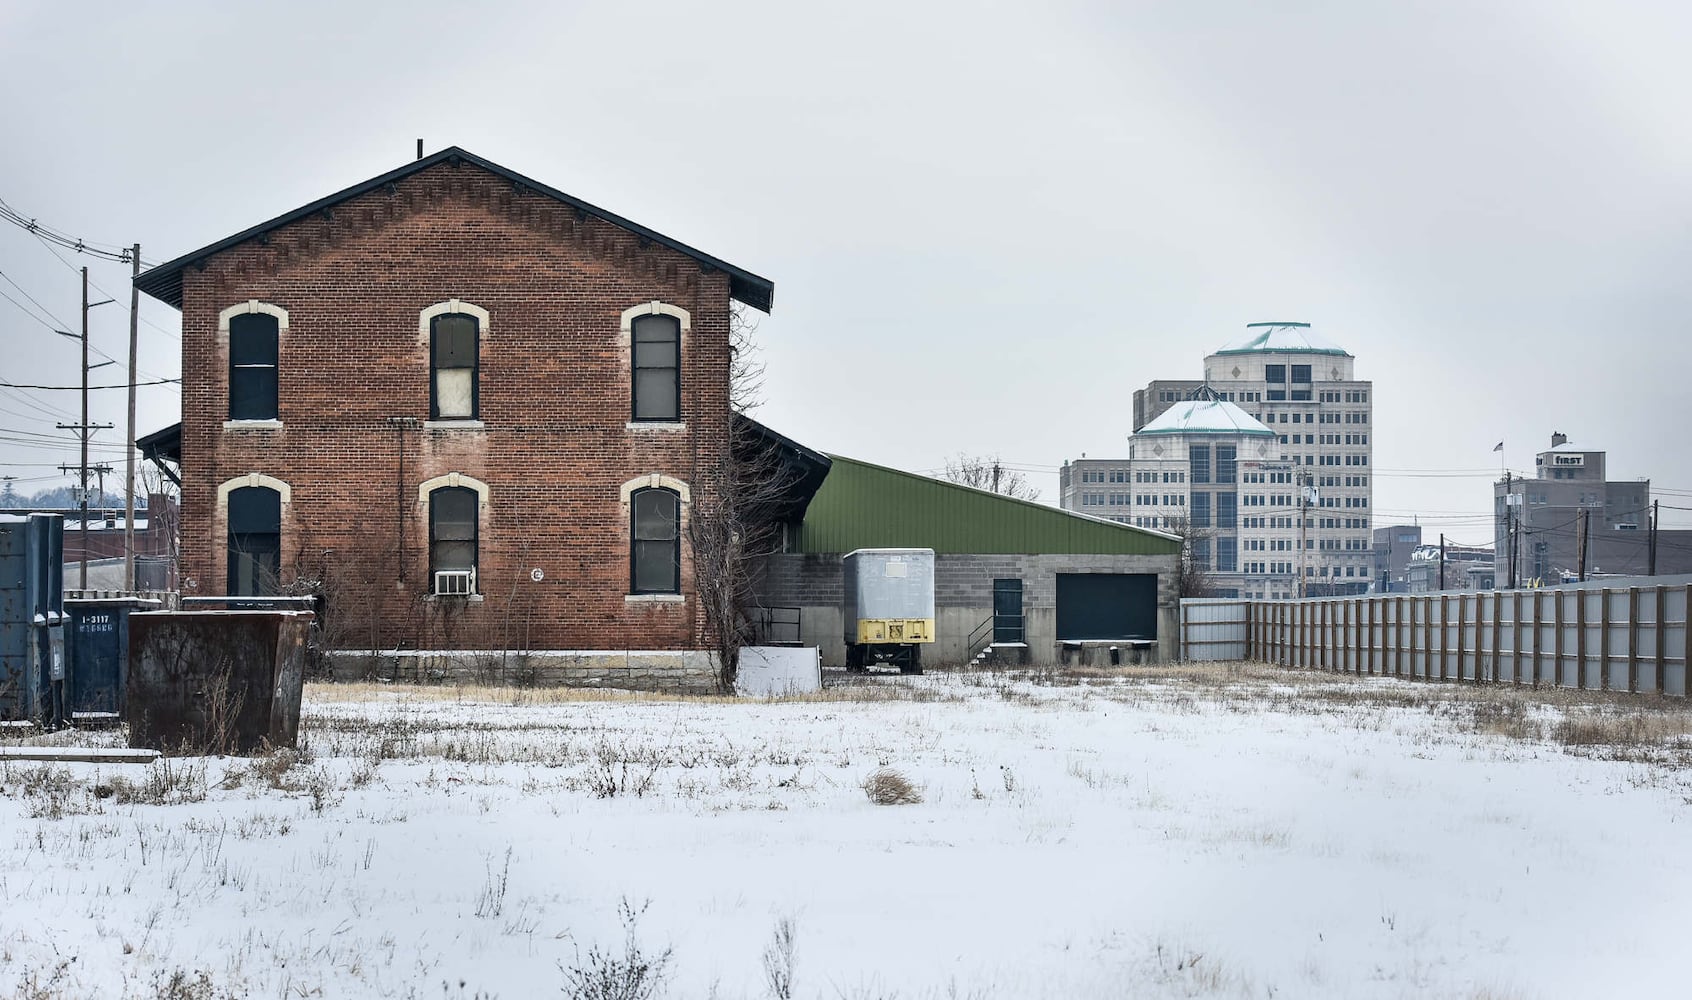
(884, 585)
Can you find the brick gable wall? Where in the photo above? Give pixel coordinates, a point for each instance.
(554, 403)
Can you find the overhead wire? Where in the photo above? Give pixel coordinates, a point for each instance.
(139, 370)
(105, 251)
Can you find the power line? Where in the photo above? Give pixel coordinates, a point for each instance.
(109, 295)
(104, 251)
(78, 388)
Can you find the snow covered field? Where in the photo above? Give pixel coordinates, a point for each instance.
(1224, 832)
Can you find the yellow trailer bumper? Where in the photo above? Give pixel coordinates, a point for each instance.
(895, 630)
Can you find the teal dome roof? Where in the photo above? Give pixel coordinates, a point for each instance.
(1290, 338)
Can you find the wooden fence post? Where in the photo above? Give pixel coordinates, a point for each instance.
(1604, 639)
(1557, 637)
(1633, 640)
(1462, 626)
(1662, 609)
(1368, 610)
(1515, 638)
(1497, 631)
(1538, 610)
(1427, 639)
(1444, 635)
(1580, 638)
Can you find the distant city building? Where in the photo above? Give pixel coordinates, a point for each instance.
(1466, 567)
(1392, 548)
(1286, 409)
(1537, 522)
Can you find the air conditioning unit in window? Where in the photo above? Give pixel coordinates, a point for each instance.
(455, 582)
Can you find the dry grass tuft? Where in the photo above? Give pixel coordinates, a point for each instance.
(887, 786)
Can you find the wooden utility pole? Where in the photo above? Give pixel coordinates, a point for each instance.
(1304, 489)
(1585, 519)
(1651, 543)
(1510, 527)
(82, 495)
(129, 433)
(83, 431)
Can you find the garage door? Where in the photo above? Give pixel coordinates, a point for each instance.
(1107, 606)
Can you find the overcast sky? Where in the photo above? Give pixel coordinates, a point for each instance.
(987, 223)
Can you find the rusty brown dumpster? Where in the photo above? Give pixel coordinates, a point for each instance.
(216, 681)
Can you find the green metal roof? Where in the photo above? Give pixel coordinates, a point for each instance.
(861, 506)
(1282, 338)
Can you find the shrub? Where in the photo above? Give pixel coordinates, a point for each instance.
(887, 786)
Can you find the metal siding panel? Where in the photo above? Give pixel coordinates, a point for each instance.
(866, 506)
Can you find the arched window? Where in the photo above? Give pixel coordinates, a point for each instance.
(655, 542)
(656, 340)
(255, 541)
(452, 540)
(454, 356)
(253, 346)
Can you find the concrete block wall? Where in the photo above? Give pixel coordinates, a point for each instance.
(963, 598)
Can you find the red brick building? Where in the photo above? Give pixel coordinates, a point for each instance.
(473, 412)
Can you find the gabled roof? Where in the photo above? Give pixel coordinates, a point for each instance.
(791, 471)
(164, 282)
(1288, 338)
(862, 505)
(1205, 416)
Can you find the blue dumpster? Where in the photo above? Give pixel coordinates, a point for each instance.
(32, 662)
(97, 650)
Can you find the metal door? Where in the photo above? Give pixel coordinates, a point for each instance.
(1007, 611)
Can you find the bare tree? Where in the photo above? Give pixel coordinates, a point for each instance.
(1192, 573)
(746, 367)
(987, 472)
(735, 523)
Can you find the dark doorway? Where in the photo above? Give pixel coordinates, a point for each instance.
(1106, 606)
(1007, 611)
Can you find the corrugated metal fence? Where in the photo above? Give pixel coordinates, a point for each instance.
(1611, 635)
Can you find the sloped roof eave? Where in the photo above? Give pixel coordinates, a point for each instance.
(164, 282)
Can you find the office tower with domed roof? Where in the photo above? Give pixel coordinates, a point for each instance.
(1292, 443)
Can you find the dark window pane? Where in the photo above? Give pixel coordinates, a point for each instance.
(1301, 373)
(253, 339)
(252, 367)
(1225, 463)
(655, 394)
(655, 567)
(445, 556)
(452, 514)
(455, 341)
(657, 367)
(255, 509)
(655, 556)
(655, 515)
(1274, 373)
(1199, 457)
(1200, 510)
(655, 354)
(656, 329)
(252, 393)
(254, 559)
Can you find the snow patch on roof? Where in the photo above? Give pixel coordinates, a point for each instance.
(1290, 337)
(1205, 416)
